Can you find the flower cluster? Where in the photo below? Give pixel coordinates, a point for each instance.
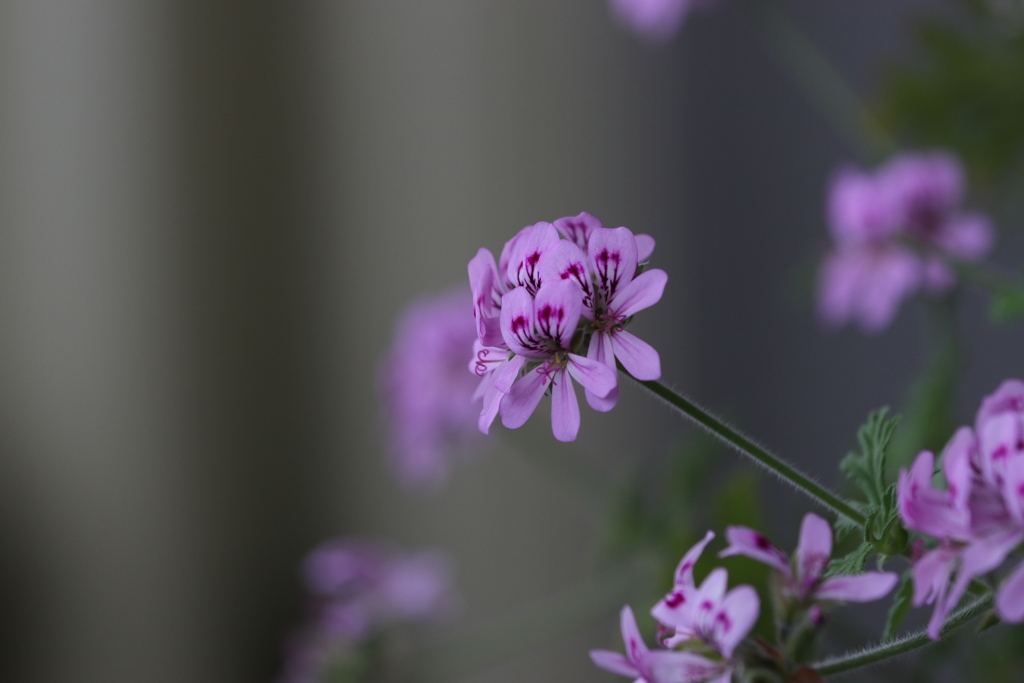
(894, 231)
(358, 588)
(655, 20)
(559, 290)
(424, 384)
(978, 520)
(706, 616)
(708, 624)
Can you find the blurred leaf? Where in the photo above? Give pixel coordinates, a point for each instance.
(964, 94)
(929, 415)
(1007, 306)
(899, 608)
(739, 503)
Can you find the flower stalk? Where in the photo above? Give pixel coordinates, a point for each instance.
(908, 643)
(761, 456)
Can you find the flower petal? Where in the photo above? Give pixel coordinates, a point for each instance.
(577, 229)
(860, 588)
(665, 666)
(636, 648)
(505, 374)
(1009, 397)
(644, 291)
(518, 405)
(813, 551)
(932, 573)
(684, 572)
(613, 259)
(614, 662)
(1010, 598)
(557, 310)
(968, 236)
(738, 614)
(524, 254)
(956, 466)
(637, 356)
(644, 247)
(483, 273)
(565, 261)
(492, 400)
(565, 409)
(597, 377)
(745, 541)
(600, 350)
(517, 327)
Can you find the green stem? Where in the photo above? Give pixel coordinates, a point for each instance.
(747, 447)
(881, 652)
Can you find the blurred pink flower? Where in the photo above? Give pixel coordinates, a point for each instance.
(426, 388)
(655, 20)
(357, 589)
(893, 231)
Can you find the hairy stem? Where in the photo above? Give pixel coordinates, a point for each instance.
(912, 641)
(747, 447)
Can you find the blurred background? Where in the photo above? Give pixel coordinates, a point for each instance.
(211, 214)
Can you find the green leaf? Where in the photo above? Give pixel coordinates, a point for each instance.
(964, 93)
(899, 607)
(1007, 306)
(866, 468)
(852, 563)
(843, 527)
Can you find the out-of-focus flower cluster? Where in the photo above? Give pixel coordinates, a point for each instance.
(426, 389)
(705, 627)
(357, 589)
(655, 20)
(895, 230)
(978, 519)
(557, 291)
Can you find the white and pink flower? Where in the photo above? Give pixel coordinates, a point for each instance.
(553, 308)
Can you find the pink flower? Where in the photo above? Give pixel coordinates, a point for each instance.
(707, 613)
(978, 520)
(612, 294)
(893, 230)
(543, 329)
(426, 389)
(655, 20)
(600, 285)
(657, 666)
(803, 576)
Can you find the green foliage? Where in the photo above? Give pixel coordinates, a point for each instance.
(660, 507)
(899, 608)
(929, 414)
(965, 94)
(852, 563)
(1007, 306)
(867, 467)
